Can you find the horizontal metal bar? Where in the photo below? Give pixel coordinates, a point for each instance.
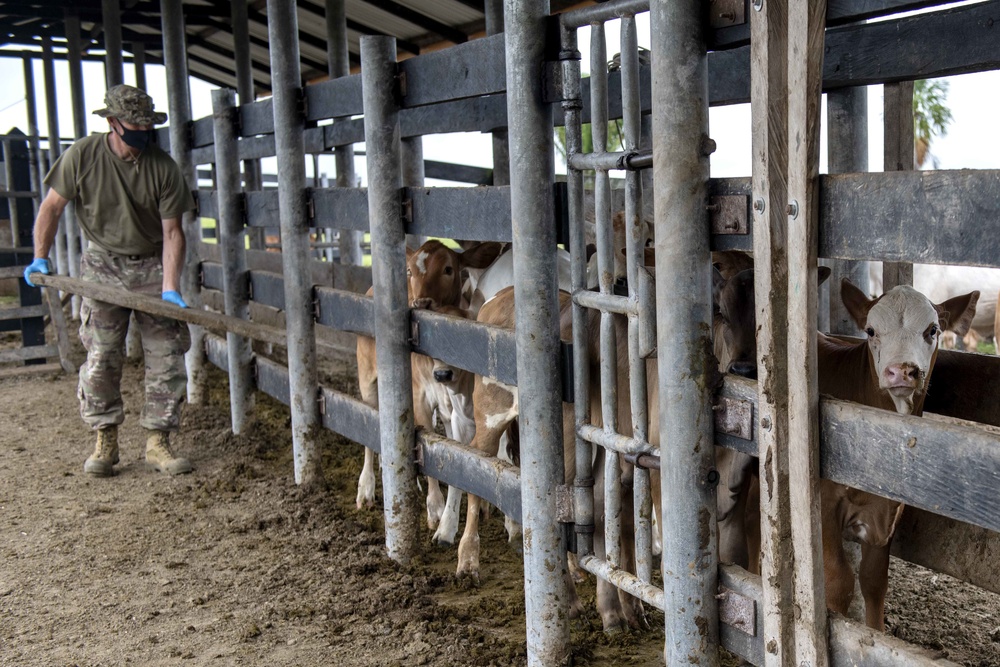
(335, 98)
(340, 208)
(481, 348)
(207, 201)
(577, 18)
(18, 194)
(351, 418)
(623, 580)
(473, 214)
(262, 208)
(23, 312)
(345, 311)
(272, 379)
(623, 160)
(217, 351)
(27, 353)
(615, 441)
(268, 288)
(476, 68)
(471, 470)
(611, 303)
(211, 276)
(458, 173)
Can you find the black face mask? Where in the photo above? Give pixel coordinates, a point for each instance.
(137, 139)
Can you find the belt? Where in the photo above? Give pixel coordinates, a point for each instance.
(136, 258)
(131, 258)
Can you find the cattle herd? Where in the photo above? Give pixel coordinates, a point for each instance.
(890, 369)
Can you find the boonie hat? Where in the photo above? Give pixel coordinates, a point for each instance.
(131, 105)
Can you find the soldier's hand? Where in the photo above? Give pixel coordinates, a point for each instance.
(40, 265)
(174, 298)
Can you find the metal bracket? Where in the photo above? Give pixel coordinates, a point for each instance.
(407, 211)
(552, 81)
(401, 83)
(725, 13)
(321, 400)
(728, 214)
(734, 417)
(310, 204)
(565, 512)
(414, 333)
(303, 103)
(737, 611)
(197, 204)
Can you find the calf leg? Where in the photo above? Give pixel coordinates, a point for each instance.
(874, 576)
(838, 575)
(368, 382)
(366, 482)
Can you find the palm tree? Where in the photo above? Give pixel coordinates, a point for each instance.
(931, 116)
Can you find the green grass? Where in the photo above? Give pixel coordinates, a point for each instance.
(987, 347)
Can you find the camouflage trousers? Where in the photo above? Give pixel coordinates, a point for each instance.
(103, 327)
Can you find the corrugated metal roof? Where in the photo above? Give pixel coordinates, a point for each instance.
(418, 25)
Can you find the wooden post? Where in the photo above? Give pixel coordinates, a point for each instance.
(786, 71)
(898, 105)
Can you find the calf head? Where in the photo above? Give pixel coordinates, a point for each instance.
(434, 271)
(903, 329)
(444, 373)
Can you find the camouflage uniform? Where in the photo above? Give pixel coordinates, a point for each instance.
(103, 327)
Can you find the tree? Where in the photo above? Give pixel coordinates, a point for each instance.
(931, 116)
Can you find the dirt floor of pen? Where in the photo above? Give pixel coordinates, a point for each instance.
(236, 565)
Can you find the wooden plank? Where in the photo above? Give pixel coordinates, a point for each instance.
(28, 353)
(11, 272)
(949, 469)
(851, 644)
(23, 312)
(58, 320)
(769, 130)
(806, 29)
(155, 306)
(29, 371)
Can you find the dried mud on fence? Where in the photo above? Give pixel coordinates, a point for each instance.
(235, 565)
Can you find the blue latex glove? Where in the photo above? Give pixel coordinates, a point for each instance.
(174, 298)
(40, 265)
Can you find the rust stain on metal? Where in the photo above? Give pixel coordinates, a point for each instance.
(912, 442)
(738, 611)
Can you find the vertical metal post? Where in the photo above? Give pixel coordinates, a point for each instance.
(235, 279)
(340, 65)
(12, 208)
(898, 106)
(684, 317)
(179, 94)
(34, 152)
(113, 64)
(139, 62)
(501, 148)
(52, 112)
(537, 334)
(412, 156)
(290, 147)
(633, 258)
(74, 53)
(399, 480)
(245, 89)
(847, 151)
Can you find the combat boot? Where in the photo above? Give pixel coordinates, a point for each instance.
(105, 453)
(158, 454)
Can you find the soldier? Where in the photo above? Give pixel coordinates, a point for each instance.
(129, 198)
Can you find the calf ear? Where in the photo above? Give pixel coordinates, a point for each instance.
(824, 273)
(409, 253)
(481, 255)
(856, 302)
(956, 313)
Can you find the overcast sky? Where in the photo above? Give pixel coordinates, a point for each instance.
(972, 140)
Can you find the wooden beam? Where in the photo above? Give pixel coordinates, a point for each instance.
(27, 371)
(155, 306)
(28, 353)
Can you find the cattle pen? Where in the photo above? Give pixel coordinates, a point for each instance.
(519, 81)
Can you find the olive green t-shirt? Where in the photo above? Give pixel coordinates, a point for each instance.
(121, 205)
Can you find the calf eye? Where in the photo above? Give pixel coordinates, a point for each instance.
(870, 332)
(932, 331)
(448, 270)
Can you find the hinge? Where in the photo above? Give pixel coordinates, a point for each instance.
(249, 287)
(189, 130)
(734, 417)
(310, 204)
(725, 13)
(737, 611)
(728, 214)
(253, 370)
(197, 203)
(407, 211)
(237, 122)
(401, 84)
(244, 209)
(321, 399)
(414, 333)
(303, 103)
(564, 504)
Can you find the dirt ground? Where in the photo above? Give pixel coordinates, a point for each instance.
(236, 565)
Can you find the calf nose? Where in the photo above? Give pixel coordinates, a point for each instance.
(901, 375)
(444, 375)
(747, 369)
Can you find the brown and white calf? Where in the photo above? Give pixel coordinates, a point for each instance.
(434, 275)
(890, 370)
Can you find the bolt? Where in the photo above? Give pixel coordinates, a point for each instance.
(765, 424)
(758, 5)
(758, 204)
(713, 477)
(708, 145)
(793, 209)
